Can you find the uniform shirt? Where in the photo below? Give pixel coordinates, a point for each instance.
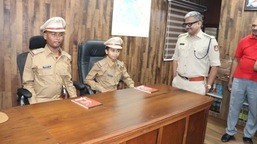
(44, 75)
(192, 56)
(106, 74)
(247, 53)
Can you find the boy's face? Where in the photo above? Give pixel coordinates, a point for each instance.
(54, 39)
(113, 54)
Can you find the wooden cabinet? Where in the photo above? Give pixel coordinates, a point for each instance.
(220, 105)
(186, 130)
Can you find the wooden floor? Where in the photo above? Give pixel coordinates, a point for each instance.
(216, 128)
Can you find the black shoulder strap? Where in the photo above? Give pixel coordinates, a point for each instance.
(209, 46)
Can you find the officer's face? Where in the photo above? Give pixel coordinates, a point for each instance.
(254, 28)
(113, 54)
(54, 39)
(192, 25)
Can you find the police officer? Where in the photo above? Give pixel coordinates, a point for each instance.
(196, 57)
(106, 73)
(48, 69)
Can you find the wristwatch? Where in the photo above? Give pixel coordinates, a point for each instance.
(208, 86)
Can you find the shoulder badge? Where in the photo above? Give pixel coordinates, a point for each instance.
(67, 55)
(36, 51)
(216, 48)
(101, 63)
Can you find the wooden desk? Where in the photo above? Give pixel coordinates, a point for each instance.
(127, 116)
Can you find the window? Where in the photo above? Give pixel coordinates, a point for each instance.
(175, 17)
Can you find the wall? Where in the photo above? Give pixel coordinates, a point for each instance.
(91, 19)
(235, 23)
(86, 19)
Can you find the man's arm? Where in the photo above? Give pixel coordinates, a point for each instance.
(68, 82)
(28, 79)
(232, 70)
(255, 66)
(212, 75)
(175, 66)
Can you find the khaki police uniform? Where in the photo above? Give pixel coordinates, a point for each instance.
(44, 75)
(194, 60)
(106, 74)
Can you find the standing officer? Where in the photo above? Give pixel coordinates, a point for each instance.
(48, 69)
(106, 73)
(196, 58)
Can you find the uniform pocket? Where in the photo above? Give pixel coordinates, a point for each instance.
(200, 53)
(183, 50)
(45, 76)
(45, 72)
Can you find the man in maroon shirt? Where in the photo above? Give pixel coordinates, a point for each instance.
(243, 86)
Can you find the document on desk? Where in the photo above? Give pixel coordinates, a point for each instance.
(146, 89)
(86, 102)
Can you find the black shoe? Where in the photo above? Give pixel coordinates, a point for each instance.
(226, 137)
(247, 140)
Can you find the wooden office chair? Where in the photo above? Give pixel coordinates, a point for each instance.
(89, 52)
(35, 42)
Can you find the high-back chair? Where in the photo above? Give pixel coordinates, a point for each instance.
(35, 42)
(89, 52)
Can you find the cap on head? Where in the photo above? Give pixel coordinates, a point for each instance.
(54, 24)
(194, 14)
(115, 43)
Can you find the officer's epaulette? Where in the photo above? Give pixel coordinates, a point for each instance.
(209, 36)
(120, 63)
(183, 34)
(36, 51)
(67, 55)
(101, 63)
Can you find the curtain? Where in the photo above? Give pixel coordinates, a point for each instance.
(175, 17)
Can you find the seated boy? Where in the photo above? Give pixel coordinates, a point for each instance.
(106, 73)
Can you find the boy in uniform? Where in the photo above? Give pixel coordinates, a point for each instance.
(106, 74)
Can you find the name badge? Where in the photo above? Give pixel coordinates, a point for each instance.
(181, 43)
(109, 75)
(47, 67)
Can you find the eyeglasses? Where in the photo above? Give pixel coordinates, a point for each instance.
(189, 24)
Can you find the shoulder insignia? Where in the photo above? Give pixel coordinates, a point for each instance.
(101, 63)
(67, 55)
(36, 51)
(210, 36)
(183, 34)
(120, 63)
(216, 48)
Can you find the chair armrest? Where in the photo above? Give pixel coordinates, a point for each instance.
(90, 91)
(78, 85)
(83, 88)
(24, 92)
(23, 95)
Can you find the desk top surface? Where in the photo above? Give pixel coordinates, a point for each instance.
(122, 111)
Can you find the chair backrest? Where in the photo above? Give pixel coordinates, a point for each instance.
(89, 52)
(34, 43)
